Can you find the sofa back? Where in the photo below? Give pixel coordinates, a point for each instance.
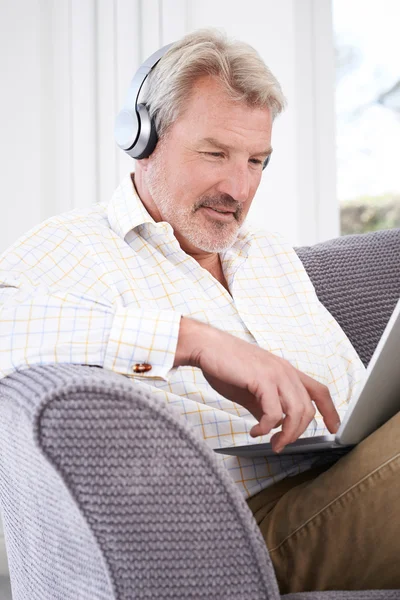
(357, 278)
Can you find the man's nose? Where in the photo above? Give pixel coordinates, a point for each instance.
(236, 183)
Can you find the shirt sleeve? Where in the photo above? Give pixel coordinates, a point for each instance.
(40, 326)
(56, 305)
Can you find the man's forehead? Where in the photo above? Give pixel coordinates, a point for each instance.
(209, 97)
(210, 114)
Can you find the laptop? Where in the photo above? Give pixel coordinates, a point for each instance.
(376, 401)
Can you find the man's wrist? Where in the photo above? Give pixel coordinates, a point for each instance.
(191, 340)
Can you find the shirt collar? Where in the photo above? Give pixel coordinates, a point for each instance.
(126, 210)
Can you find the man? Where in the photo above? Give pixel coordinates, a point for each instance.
(167, 285)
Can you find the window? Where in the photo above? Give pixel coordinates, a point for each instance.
(367, 49)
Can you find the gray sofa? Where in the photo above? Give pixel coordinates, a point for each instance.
(105, 494)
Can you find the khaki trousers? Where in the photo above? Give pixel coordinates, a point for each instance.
(338, 527)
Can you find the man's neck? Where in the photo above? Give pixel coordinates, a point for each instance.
(212, 263)
(209, 261)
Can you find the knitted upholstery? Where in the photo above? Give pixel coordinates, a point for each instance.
(164, 513)
(107, 495)
(357, 278)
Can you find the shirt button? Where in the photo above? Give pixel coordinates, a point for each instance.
(141, 368)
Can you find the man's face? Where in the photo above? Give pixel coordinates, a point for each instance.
(204, 173)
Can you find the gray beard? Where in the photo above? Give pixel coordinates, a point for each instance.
(212, 236)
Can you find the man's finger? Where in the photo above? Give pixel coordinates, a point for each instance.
(294, 400)
(282, 438)
(320, 395)
(267, 422)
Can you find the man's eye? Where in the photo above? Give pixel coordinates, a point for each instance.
(215, 154)
(256, 161)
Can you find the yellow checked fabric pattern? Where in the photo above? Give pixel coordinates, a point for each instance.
(107, 286)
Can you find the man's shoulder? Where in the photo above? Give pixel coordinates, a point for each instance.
(64, 229)
(94, 214)
(264, 241)
(72, 220)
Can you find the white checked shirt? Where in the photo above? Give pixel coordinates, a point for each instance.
(107, 286)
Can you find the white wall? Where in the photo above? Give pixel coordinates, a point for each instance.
(67, 67)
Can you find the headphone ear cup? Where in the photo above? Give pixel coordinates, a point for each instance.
(127, 129)
(135, 132)
(148, 137)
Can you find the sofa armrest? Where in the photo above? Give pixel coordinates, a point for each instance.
(165, 516)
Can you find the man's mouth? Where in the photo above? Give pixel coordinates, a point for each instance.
(219, 213)
(221, 210)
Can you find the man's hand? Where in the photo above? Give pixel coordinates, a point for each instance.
(268, 386)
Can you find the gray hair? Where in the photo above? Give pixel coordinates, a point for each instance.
(237, 65)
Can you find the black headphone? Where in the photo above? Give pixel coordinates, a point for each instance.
(135, 131)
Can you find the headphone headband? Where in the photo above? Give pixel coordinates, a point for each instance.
(135, 133)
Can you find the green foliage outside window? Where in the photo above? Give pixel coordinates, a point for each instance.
(370, 213)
